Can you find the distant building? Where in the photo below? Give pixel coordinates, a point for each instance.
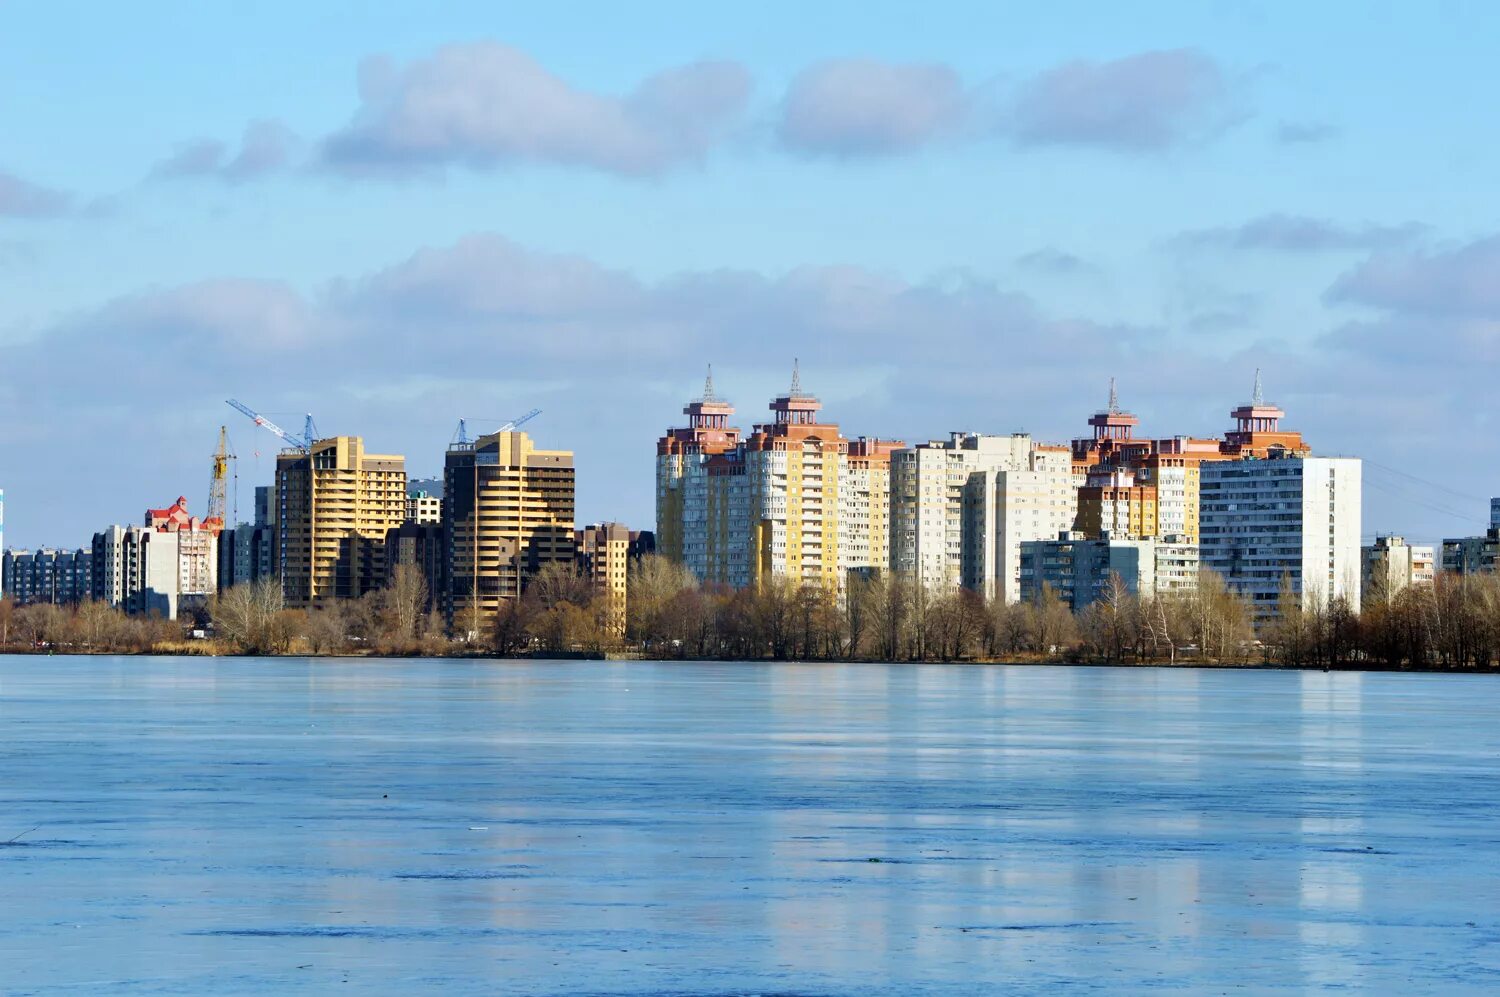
(934, 500)
(603, 556)
(642, 542)
(335, 506)
(1297, 517)
(794, 500)
(508, 512)
(1079, 569)
(167, 565)
(2, 538)
(422, 507)
(1390, 564)
(247, 554)
(1494, 509)
(1006, 508)
(1471, 555)
(421, 545)
(61, 577)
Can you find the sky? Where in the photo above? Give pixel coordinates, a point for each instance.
(954, 216)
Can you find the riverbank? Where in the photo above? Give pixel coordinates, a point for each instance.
(198, 650)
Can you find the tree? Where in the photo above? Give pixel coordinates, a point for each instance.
(7, 618)
(252, 618)
(1052, 626)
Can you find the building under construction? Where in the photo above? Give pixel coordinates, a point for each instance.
(508, 512)
(335, 504)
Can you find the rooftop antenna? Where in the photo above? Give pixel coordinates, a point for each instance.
(1114, 398)
(1258, 398)
(708, 385)
(796, 378)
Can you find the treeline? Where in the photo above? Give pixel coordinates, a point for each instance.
(1454, 623)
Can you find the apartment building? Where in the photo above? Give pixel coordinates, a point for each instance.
(508, 512)
(62, 577)
(794, 499)
(603, 552)
(1298, 517)
(335, 504)
(1391, 564)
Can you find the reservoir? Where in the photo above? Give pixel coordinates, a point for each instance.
(276, 826)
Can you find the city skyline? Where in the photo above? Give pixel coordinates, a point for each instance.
(968, 223)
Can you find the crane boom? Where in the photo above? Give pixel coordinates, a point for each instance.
(299, 442)
(518, 423)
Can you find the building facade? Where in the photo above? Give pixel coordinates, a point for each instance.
(1470, 555)
(602, 551)
(1298, 517)
(508, 513)
(335, 504)
(1080, 569)
(934, 495)
(793, 500)
(1390, 564)
(61, 577)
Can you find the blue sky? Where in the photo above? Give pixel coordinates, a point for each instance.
(967, 216)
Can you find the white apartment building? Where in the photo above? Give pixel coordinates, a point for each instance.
(930, 492)
(1009, 507)
(1293, 516)
(143, 571)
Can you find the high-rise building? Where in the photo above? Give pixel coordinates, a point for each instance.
(1297, 517)
(932, 501)
(1011, 506)
(603, 554)
(169, 564)
(61, 577)
(784, 502)
(334, 506)
(508, 512)
(1494, 509)
(1391, 564)
(2, 539)
(682, 493)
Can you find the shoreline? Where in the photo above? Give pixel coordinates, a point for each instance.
(627, 658)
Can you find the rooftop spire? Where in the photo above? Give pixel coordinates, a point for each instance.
(796, 378)
(708, 385)
(1114, 398)
(1258, 398)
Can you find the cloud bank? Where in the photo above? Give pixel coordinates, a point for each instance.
(485, 105)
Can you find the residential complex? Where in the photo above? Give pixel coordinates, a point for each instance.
(795, 499)
(335, 503)
(1391, 564)
(508, 512)
(61, 577)
(169, 563)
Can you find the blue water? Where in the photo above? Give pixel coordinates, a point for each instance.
(398, 827)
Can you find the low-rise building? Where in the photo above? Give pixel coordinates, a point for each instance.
(1079, 568)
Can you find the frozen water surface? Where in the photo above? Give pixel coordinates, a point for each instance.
(291, 826)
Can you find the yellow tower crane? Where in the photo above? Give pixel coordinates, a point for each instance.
(218, 487)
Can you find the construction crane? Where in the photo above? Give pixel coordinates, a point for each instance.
(462, 436)
(218, 485)
(303, 443)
